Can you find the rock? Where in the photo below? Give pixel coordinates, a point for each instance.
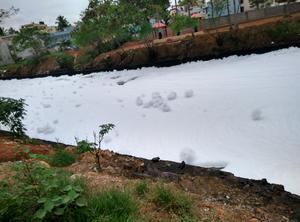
(253, 220)
(75, 176)
(110, 170)
(106, 154)
(71, 149)
(181, 165)
(170, 176)
(155, 159)
(276, 188)
(44, 164)
(264, 181)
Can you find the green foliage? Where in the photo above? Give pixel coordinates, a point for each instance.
(12, 112)
(31, 38)
(37, 193)
(177, 203)
(84, 146)
(284, 30)
(86, 56)
(257, 3)
(218, 7)
(180, 22)
(2, 31)
(112, 206)
(62, 158)
(65, 61)
(7, 13)
(142, 188)
(108, 24)
(104, 130)
(62, 23)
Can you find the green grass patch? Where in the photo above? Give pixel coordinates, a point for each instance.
(167, 199)
(141, 188)
(112, 206)
(62, 158)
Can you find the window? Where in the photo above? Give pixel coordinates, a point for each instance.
(242, 9)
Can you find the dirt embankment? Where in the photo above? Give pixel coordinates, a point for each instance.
(217, 195)
(256, 37)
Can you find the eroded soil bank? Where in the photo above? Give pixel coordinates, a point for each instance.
(218, 195)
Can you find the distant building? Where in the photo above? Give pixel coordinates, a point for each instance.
(40, 26)
(5, 56)
(57, 38)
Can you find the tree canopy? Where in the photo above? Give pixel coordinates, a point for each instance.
(109, 23)
(7, 13)
(180, 22)
(31, 38)
(62, 23)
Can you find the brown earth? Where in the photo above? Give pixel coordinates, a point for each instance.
(217, 195)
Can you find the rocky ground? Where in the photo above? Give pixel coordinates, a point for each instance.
(217, 195)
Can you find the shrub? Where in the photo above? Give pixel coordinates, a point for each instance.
(284, 30)
(83, 146)
(12, 112)
(141, 188)
(37, 193)
(62, 158)
(177, 203)
(65, 61)
(112, 206)
(86, 56)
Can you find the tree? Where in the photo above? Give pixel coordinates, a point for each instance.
(31, 38)
(7, 13)
(257, 3)
(179, 22)
(107, 24)
(219, 7)
(2, 31)
(95, 148)
(62, 23)
(12, 31)
(189, 4)
(12, 112)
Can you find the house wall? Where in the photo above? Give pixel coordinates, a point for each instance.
(5, 57)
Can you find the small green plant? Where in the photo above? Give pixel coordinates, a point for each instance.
(167, 199)
(62, 158)
(142, 188)
(83, 146)
(38, 193)
(104, 130)
(95, 148)
(12, 112)
(112, 206)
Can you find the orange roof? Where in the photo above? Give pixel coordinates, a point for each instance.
(197, 15)
(159, 25)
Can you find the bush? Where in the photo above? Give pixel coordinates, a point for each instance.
(141, 188)
(65, 61)
(83, 146)
(62, 158)
(37, 193)
(86, 56)
(112, 206)
(12, 112)
(165, 198)
(284, 29)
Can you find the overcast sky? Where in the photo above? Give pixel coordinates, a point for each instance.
(43, 10)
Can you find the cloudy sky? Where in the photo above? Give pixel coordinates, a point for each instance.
(43, 10)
